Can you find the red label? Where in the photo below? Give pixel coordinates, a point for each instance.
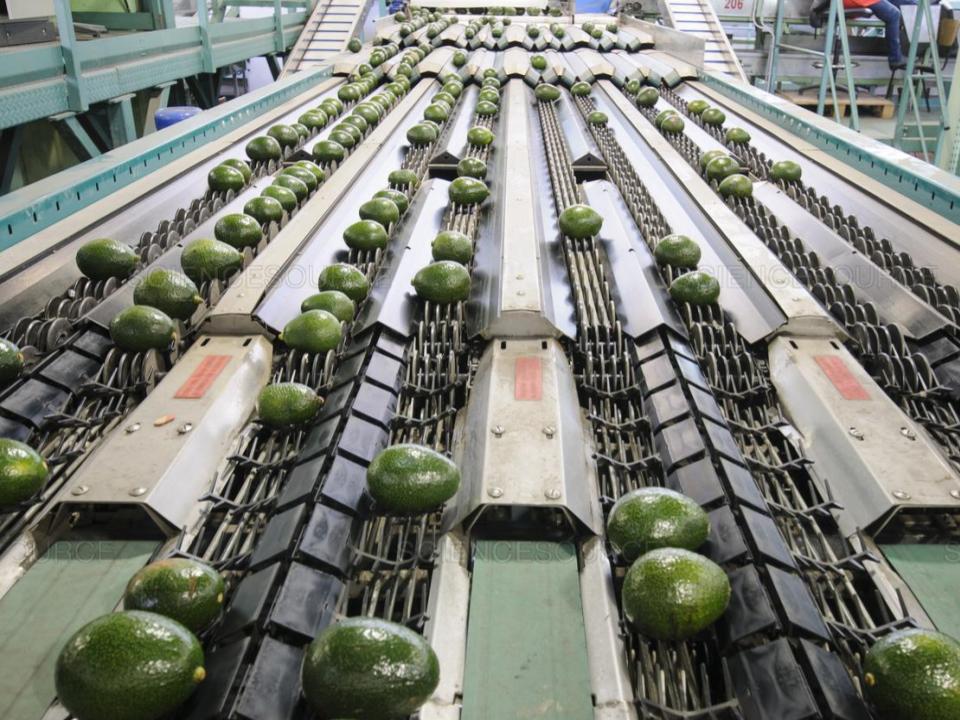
(843, 380)
(203, 377)
(527, 379)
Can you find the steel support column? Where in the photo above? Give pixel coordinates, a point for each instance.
(76, 97)
(10, 141)
(123, 129)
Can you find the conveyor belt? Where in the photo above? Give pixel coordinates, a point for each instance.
(698, 18)
(326, 34)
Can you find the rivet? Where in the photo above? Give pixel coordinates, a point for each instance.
(130, 429)
(138, 491)
(908, 433)
(553, 494)
(79, 490)
(856, 433)
(495, 492)
(185, 428)
(901, 495)
(955, 494)
(549, 431)
(497, 430)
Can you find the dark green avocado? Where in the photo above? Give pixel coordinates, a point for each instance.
(655, 517)
(411, 479)
(185, 590)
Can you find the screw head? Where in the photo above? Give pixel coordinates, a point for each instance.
(908, 433)
(549, 431)
(858, 434)
(901, 494)
(138, 491)
(495, 492)
(955, 494)
(553, 494)
(130, 429)
(185, 428)
(497, 430)
(79, 490)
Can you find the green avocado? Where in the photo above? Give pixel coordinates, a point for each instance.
(452, 245)
(647, 97)
(411, 479)
(328, 151)
(169, 291)
(672, 594)
(345, 278)
(632, 86)
(283, 195)
(23, 472)
(238, 164)
(663, 115)
(491, 81)
(185, 590)
(349, 93)
(459, 59)
(736, 186)
(334, 302)
(344, 135)
(11, 361)
(677, 251)
(696, 107)
(314, 331)
(709, 156)
(480, 136)
(107, 258)
(130, 665)
(736, 136)
(914, 674)
(533, 32)
(368, 668)
(313, 119)
(365, 235)
(673, 123)
(444, 281)
(369, 112)
(452, 87)
(139, 328)
(786, 170)
(264, 148)
(547, 93)
(354, 45)
(467, 191)
(538, 62)
(287, 404)
(596, 33)
(331, 108)
(394, 196)
(655, 517)
(312, 168)
(302, 130)
(597, 118)
(580, 89)
(696, 287)
(358, 122)
(206, 259)
(303, 175)
(713, 116)
(421, 134)
(580, 222)
(472, 167)
(261, 210)
(438, 112)
(380, 210)
(224, 177)
(490, 94)
(403, 178)
(721, 167)
(294, 184)
(485, 108)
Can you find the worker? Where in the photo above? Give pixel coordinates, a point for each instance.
(887, 11)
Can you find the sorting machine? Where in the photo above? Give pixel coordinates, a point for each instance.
(814, 411)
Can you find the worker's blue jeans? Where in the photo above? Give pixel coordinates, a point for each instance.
(889, 12)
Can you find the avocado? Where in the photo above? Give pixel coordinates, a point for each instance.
(263, 209)
(238, 164)
(394, 196)
(345, 278)
(314, 331)
(444, 281)
(736, 186)
(538, 62)
(381, 210)
(721, 167)
(672, 124)
(312, 168)
(459, 59)
(467, 191)
(736, 136)
(580, 222)
(485, 108)
(284, 195)
(331, 108)
(436, 112)
(23, 472)
(264, 148)
(696, 107)
(313, 119)
(334, 302)
(130, 665)
(655, 517)
(546, 93)
(713, 116)
(354, 45)
(559, 32)
(491, 74)
(421, 134)
(328, 151)
(696, 287)
(344, 136)
(11, 361)
(403, 178)
(612, 28)
(786, 170)
(533, 32)
(301, 129)
(472, 167)
(632, 86)
(224, 177)
(453, 87)
(411, 479)
(365, 235)
(139, 328)
(580, 89)
(597, 118)
(368, 668)
(301, 174)
(480, 136)
(677, 251)
(490, 94)
(369, 112)
(647, 97)
(169, 291)
(288, 404)
(491, 81)
(106, 258)
(295, 185)
(432, 125)
(596, 33)
(206, 259)
(914, 674)
(185, 590)
(452, 245)
(708, 157)
(672, 594)
(358, 122)
(663, 115)
(349, 93)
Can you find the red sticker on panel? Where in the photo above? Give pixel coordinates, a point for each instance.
(203, 377)
(843, 380)
(527, 379)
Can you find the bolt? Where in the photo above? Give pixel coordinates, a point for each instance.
(185, 428)
(908, 433)
(553, 494)
(79, 490)
(549, 431)
(130, 429)
(495, 492)
(955, 494)
(901, 495)
(497, 431)
(856, 433)
(138, 491)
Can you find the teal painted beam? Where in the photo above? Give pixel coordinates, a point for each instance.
(123, 129)
(76, 137)
(76, 90)
(41, 204)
